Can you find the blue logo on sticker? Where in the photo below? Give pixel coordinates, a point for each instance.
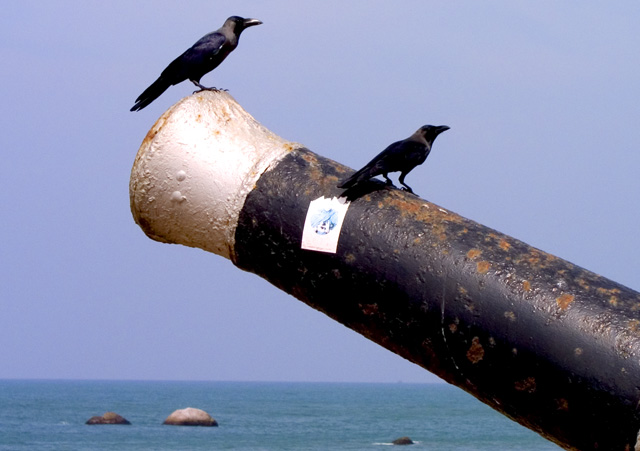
(324, 221)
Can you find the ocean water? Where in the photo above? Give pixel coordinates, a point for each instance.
(50, 415)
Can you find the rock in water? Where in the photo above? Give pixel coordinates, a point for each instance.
(403, 441)
(108, 418)
(190, 417)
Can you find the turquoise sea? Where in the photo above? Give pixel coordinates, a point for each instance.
(50, 415)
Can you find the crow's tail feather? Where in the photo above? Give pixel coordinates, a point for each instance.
(357, 177)
(151, 93)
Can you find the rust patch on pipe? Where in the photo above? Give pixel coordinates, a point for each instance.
(440, 230)
(483, 267)
(526, 385)
(420, 210)
(473, 253)
(562, 405)
(369, 309)
(476, 351)
(608, 291)
(565, 300)
(151, 134)
(463, 297)
(583, 284)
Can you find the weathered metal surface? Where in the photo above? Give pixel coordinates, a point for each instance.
(549, 344)
(195, 167)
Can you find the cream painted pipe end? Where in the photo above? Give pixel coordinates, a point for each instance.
(196, 167)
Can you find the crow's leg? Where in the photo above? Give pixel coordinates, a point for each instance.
(406, 188)
(204, 88)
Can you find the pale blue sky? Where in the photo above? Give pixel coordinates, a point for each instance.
(543, 101)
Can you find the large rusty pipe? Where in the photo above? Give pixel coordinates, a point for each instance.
(547, 343)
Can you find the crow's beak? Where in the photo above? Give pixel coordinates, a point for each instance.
(251, 22)
(442, 128)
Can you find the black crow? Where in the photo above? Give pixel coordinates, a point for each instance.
(401, 156)
(204, 56)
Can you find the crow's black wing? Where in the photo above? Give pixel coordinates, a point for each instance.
(380, 164)
(202, 57)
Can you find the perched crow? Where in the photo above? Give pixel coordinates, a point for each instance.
(204, 56)
(401, 156)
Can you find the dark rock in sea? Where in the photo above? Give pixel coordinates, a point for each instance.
(403, 441)
(190, 417)
(108, 418)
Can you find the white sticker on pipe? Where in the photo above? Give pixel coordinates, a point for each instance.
(323, 224)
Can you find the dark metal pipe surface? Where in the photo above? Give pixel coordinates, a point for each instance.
(547, 343)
